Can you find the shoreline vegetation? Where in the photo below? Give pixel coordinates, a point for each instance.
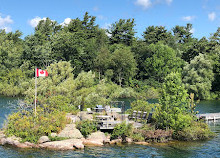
(88, 68)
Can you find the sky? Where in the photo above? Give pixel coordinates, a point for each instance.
(24, 15)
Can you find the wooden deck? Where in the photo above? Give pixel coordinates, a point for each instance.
(209, 116)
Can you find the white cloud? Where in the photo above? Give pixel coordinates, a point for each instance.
(188, 18)
(34, 22)
(5, 22)
(144, 3)
(7, 28)
(169, 1)
(192, 30)
(66, 21)
(212, 16)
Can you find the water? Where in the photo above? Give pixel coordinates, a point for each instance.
(174, 149)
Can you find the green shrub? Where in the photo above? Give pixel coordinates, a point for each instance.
(138, 137)
(30, 128)
(56, 138)
(122, 131)
(86, 127)
(197, 131)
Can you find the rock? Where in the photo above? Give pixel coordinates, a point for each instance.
(57, 145)
(88, 142)
(78, 144)
(15, 141)
(99, 136)
(43, 139)
(141, 143)
(129, 140)
(22, 145)
(12, 140)
(107, 141)
(70, 131)
(73, 118)
(3, 141)
(83, 115)
(68, 144)
(53, 135)
(95, 139)
(116, 141)
(2, 135)
(30, 144)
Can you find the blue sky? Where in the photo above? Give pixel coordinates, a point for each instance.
(23, 15)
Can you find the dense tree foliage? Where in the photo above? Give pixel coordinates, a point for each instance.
(88, 65)
(114, 55)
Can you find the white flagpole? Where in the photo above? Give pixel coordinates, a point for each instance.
(35, 100)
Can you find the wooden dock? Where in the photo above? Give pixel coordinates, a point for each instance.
(209, 116)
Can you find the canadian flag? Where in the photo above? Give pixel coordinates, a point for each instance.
(41, 73)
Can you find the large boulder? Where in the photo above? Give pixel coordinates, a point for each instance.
(70, 131)
(116, 141)
(72, 118)
(92, 142)
(43, 139)
(15, 141)
(83, 115)
(95, 139)
(68, 144)
(98, 136)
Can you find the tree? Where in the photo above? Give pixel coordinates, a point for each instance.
(154, 34)
(198, 76)
(175, 109)
(122, 32)
(183, 34)
(103, 61)
(162, 61)
(124, 65)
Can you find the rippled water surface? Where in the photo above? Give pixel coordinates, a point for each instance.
(198, 149)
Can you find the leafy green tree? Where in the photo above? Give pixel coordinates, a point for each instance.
(214, 56)
(154, 34)
(102, 61)
(174, 110)
(198, 76)
(124, 65)
(163, 61)
(183, 34)
(122, 32)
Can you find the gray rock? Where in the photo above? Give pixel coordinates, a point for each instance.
(70, 131)
(53, 135)
(92, 142)
(83, 115)
(43, 139)
(116, 141)
(73, 118)
(68, 144)
(129, 140)
(98, 136)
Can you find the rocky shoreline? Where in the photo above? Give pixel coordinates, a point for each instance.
(95, 139)
(73, 139)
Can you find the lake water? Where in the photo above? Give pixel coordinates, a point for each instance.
(196, 149)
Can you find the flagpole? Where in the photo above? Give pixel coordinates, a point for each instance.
(35, 100)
